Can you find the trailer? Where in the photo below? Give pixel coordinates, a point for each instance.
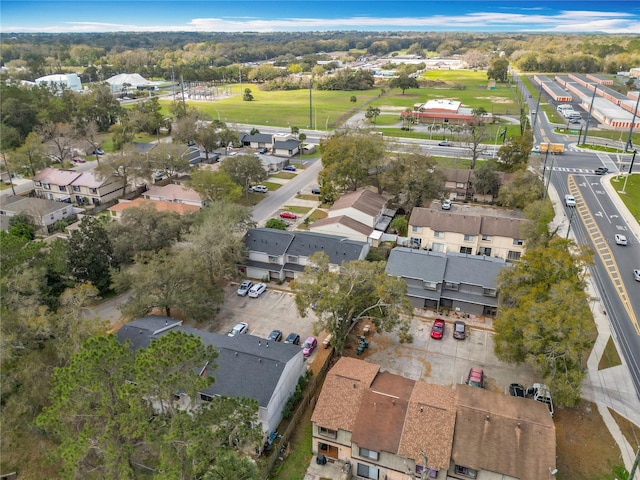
(552, 147)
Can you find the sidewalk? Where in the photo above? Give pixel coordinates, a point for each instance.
(611, 387)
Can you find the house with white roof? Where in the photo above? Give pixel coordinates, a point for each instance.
(174, 193)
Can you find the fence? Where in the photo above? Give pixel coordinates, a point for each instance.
(309, 396)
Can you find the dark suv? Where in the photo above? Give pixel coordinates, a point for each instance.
(601, 170)
(293, 338)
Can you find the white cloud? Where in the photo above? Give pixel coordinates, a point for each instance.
(565, 21)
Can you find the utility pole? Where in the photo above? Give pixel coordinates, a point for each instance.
(6, 166)
(535, 117)
(544, 170)
(629, 173)
(310, 103)
(633, 121)
(586, 128)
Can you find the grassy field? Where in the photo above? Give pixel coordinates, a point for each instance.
(610, 357)
(632, 196)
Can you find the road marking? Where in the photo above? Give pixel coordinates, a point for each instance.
(602, 249)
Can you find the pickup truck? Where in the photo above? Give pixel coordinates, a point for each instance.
(540, 393)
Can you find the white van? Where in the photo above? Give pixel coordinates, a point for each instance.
(564, 106)
(569, 201)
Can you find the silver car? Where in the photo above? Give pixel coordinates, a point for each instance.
(620, 239)
(239, 329)
(244, 288)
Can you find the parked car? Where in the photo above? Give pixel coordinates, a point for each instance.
(289, 168)
(476, 378)
(601, 170)
(437, 330)
(569, 201)
(262, 150)
(309, 346)
(636, 274)
(257, 290)
(293, 338)
(275, 336)
(446, 204)
(259, 189)
(239, 329)
(516, 390)
(78, 160)
(459, 330)
(244, 288)
(536, 149)
(620, 239)
(315, 190)
(540, 393)
(98, 151)
(444, 143)
(290, 215)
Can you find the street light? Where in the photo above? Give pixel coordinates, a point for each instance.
(573, 210)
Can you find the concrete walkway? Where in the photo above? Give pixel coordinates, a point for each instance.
(611, 387)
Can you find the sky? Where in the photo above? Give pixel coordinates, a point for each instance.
(553, 16)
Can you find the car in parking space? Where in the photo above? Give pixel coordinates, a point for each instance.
(569, 200)
(293, 338)
(289, 215)
(244, 287)
(475, 378)
(459, 330)
(444, 143)
(636, 274)
(78, 160)
(259, 189)
(262, 150)
(257, 290)
(516, 390)
(289, 168)
(309, 346)
(239, 329)
(601, 171)
(315, 190)
(620, 239)
(540, 393)
(446, 204)
(275, 336)
(437, 330)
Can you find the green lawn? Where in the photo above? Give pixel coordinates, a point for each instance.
(632, 196)
(512, 131)
(297, 462)
(297, 210)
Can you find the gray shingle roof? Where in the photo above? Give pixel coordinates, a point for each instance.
(419, 264)
(338, 249)
(473, 269)
(31, 205)
(268, 240)
(247, 366)
(286, 145)
(257, 138)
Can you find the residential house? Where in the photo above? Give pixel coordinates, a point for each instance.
(388, 427)
(280, 255)
(459, 184)
(174, 193)
(44, 213)
(454, 281)
(469, 229)
(356, 215)
(280, 145)
(247, 366)
(160, 205)
(71, 186)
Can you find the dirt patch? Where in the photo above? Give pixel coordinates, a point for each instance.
(630, 430)
(496, 99)
(585, 447)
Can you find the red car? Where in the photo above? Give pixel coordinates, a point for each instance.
(290, 215)
(437, 331)
(78, 160)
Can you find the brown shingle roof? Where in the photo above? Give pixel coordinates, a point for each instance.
(364, 200)
(342, 392)
(379, 422)
(172, 192)
(343, 220)
(444, 221)
(161, 206)
(55, 176)
(503, 434)
(429, 425)
(503, 227)
(455, 175)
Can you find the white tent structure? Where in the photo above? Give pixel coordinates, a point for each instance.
(124, 81)
(60, 81)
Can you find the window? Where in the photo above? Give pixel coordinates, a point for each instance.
(514, 256)
(466, 250)
(438, 234)
(364, 452)
(486, 238)
(429, 285)
(469, 238)
(517, 241)
(38, 183)
(451, 286)
(75, 188)
(93, 190)
(366, 471)
(273, 259)
(467, 472)
(62, 188)
(489, 292)
(484, 251)
(437, 247)
(327, 432)
(46, 186)
(416, 229)
(292, 259)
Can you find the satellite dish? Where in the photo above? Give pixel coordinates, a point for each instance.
(554, 472)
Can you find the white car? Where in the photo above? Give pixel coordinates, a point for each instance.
(257, 290)
(239, 329)
(244, 288)
(259, 189)
(636, 274)
(446, 204)
(620, 239)
(569, 201)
